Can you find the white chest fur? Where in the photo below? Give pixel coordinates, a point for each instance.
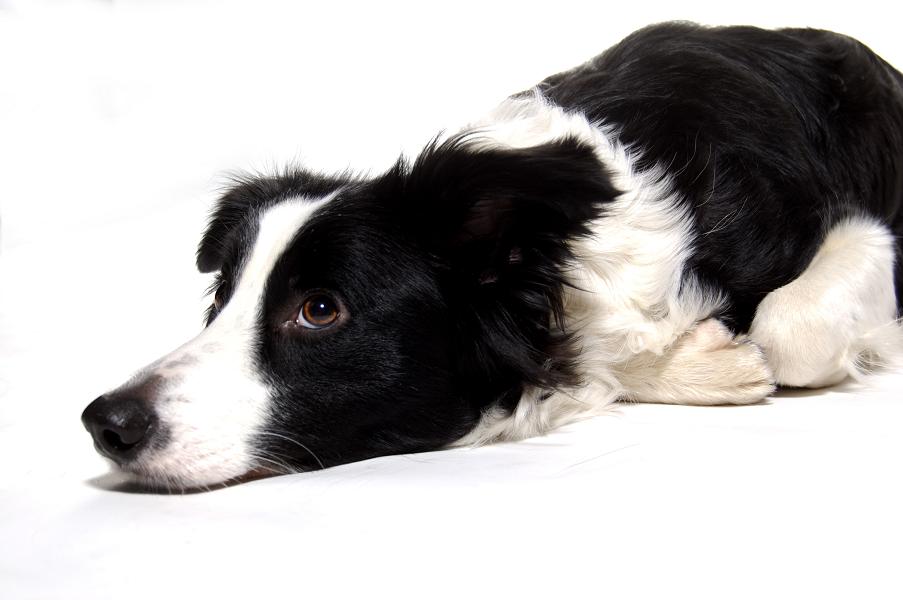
(630, 295)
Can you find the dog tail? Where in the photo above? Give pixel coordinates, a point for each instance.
(880, 349)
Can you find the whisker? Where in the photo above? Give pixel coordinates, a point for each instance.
(282, 467)
(296, 442)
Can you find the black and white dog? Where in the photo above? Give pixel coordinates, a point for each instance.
(693, 217)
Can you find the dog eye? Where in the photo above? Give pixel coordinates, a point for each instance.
(318, 311)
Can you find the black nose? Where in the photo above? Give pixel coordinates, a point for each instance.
(120, 425)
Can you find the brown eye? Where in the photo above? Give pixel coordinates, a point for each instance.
(318, 311)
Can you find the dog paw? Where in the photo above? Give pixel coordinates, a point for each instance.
(710, 334)
(707, 366)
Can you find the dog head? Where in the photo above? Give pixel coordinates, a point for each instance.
(356, 317)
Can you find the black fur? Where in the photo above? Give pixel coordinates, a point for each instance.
(770, 137)
(452, 268)
(247, 197)
(451, 272)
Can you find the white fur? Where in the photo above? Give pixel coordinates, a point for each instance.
(212, 400)
(645, 327)
(838, 316)
(644, 324)
(631, 300)
(706, 366)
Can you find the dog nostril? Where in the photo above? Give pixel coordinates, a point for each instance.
(120, 425)
(116, 441)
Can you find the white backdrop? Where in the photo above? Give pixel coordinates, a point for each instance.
(117, 123)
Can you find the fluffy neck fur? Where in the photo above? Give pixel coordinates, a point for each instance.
(628, 293)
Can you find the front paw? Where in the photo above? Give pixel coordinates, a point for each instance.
(706, 366)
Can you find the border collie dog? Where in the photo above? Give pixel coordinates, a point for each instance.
(693, 217)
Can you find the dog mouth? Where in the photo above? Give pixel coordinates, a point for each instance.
(178, 465)
(154, 455)
(144, 481)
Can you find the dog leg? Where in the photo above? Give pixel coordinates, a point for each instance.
(708, 365)
(838, 318)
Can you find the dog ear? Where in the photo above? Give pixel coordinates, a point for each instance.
(487, 208)
(499, 224)
(248, 194)
(222, 225)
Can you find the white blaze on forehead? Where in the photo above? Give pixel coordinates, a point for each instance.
(214, 398)
(278, 227)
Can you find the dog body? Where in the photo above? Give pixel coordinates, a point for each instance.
(694, 216)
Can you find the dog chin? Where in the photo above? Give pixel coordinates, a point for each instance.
(150, 478)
